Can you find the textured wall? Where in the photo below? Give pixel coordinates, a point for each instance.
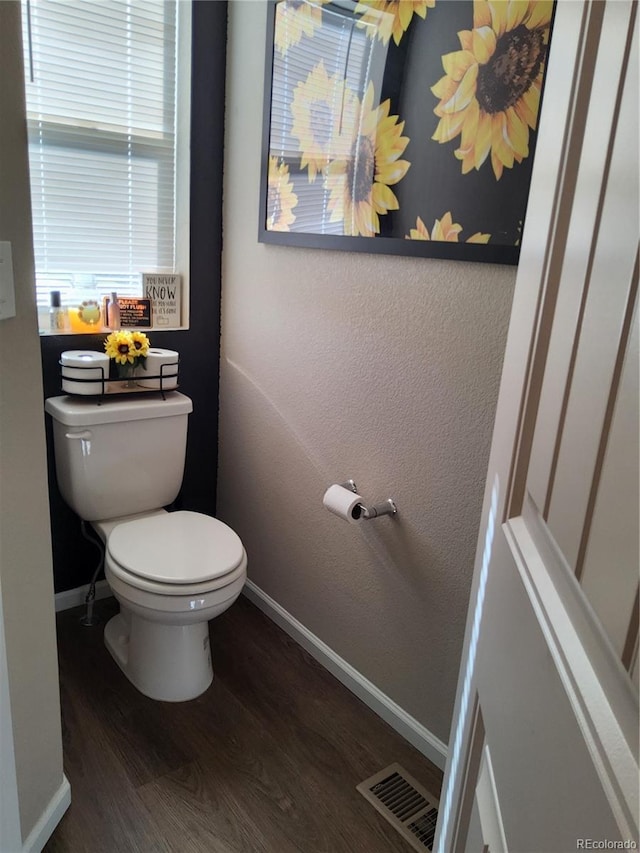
(25, 539)
(338, 365)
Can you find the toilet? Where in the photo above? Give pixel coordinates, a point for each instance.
(119, 462)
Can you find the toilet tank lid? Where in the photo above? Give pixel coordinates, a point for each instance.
(85, 411)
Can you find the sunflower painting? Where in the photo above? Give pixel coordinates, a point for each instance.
(444, 229)
(490, 93)
(323, 114)
(295, 19)
(281, 199)
(386, 18)
(360, 185)
(382, 114)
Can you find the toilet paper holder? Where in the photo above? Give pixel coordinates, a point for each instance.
(387, 507)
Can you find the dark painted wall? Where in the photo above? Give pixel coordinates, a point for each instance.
(74, 560)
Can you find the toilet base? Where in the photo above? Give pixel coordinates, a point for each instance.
(171, 663)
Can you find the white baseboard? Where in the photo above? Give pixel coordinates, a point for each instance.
(74, 597)
(406, 726)
(49, 819)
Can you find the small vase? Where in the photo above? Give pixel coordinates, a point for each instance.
(126, 374)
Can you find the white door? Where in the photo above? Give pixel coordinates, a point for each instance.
(543, 753)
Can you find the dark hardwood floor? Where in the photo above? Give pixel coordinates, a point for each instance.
(266, 760)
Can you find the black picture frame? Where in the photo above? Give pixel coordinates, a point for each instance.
(411, 65)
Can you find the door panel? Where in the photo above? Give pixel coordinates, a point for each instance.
(578, 213)
(610, 568)
(585, 388)
(530, 720)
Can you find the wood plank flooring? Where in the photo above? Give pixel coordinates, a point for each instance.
(267, 760)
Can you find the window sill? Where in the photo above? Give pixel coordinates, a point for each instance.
(103, 330)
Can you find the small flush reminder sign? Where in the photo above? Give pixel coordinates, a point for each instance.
(164, 291)
(134, 313)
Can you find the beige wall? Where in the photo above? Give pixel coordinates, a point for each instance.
(25, 543)
(338, 365)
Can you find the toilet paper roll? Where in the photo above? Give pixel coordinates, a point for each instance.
(343, 503)
(159, 362)
(79, 364)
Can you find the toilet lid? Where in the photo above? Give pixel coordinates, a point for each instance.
(176, 547)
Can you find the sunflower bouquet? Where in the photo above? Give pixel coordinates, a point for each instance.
(128, 350)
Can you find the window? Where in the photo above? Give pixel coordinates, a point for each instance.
(107, 89)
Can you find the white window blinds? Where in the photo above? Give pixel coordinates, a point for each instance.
(101, 80)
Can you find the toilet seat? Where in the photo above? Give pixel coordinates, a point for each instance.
(172, 590)
(178, 553)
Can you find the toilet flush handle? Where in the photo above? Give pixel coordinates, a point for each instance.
(84, 437)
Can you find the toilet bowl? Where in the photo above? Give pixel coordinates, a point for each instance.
(119, 462)
(171, 574)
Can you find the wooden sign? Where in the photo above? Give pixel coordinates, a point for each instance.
(164, 293)
(134, 313)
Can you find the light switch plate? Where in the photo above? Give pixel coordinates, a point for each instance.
(7, 288)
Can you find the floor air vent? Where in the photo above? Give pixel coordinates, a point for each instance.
(408, 807)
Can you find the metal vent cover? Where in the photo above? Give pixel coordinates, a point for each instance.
(404, 803)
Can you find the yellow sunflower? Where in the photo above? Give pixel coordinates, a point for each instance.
(324, 113)
(490, 93)
(445, 230)
(118, 346)
(360, 183)
(281, 198)
(139, 344)
(390, 17)
(295, 18)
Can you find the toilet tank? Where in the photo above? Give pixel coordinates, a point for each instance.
(120, 456)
